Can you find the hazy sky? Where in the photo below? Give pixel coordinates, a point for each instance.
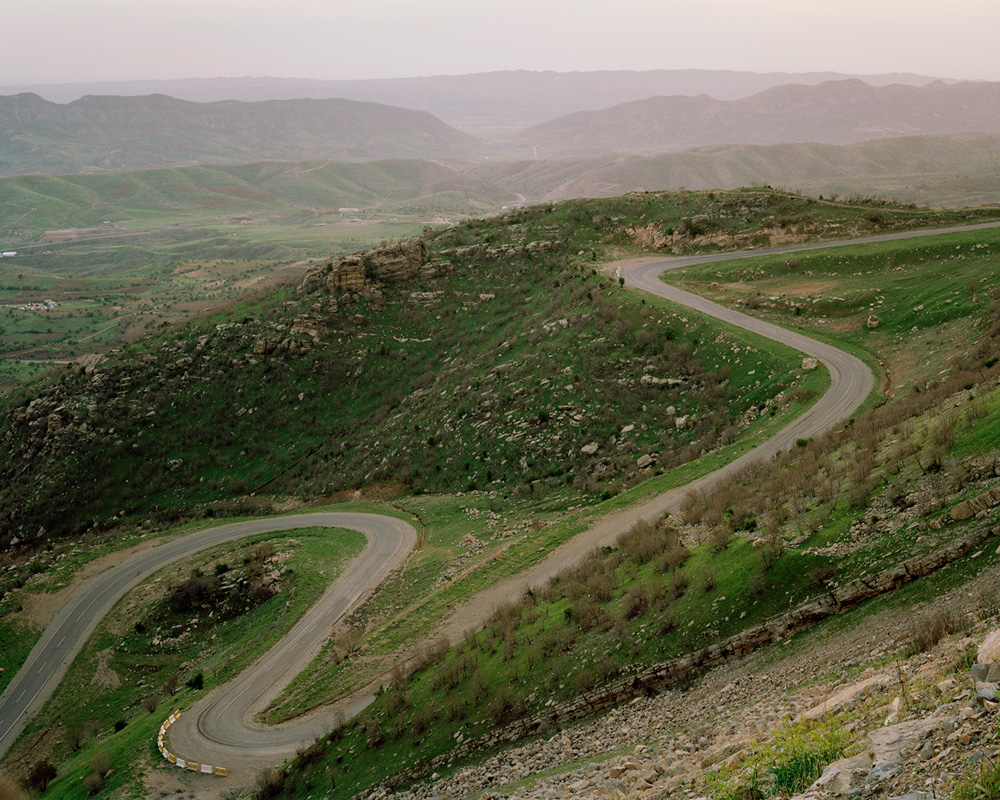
(88, 40)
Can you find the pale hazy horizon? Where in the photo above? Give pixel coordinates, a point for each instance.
(67, 41)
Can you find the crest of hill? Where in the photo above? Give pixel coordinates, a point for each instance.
(512, 98)
(116, 133)
(836, 112)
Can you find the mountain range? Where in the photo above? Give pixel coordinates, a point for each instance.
(836, 112)
(508, 99)
(109, 133)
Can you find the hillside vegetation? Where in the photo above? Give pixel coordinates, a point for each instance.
(36, 204)
(516, 322)
(900, 483)
(110, 256)
(493, 382)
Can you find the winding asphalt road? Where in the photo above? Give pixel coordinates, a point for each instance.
(389, 542)
(220, 726)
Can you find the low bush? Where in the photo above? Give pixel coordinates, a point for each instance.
(788, 762)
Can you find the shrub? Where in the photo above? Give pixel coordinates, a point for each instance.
(719, 538)
(586, 679)
(196, 682)
(788, 762)
(93, 783)
(41, 775)
(600, 587)
(310, 754)
(678, 583)
(268, 784)
(100, 762)
(151, 702)
(374, 734)
(635, 602)
(193, 593)
(74, 737)
(930, 629)
(504, 706)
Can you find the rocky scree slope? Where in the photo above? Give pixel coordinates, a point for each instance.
(914, 724)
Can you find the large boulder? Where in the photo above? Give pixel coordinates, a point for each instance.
(398, 261)
(989, 650)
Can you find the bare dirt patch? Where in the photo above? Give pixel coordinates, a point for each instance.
(70, 234)
(104, 675)
(808, 287)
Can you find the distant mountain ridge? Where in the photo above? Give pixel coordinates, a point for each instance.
(922, 169)
(127, 133)
(512, 98)
(837, 112)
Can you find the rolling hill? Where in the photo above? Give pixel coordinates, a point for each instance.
(836, 112)
(37, 203)
(129, 133)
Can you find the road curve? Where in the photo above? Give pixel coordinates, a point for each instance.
(220, 726)
(389, 541)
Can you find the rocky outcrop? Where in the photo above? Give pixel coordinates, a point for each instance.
(360, 273)
(977, 505)
(698, 231)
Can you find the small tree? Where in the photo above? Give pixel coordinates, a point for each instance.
(170, 684)
(41, 775)
(74, 737)
(150, 703)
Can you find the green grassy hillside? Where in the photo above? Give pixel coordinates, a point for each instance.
(34, 204)
(119, 254)
(524, 328)
(506, 394)
(891, 485)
